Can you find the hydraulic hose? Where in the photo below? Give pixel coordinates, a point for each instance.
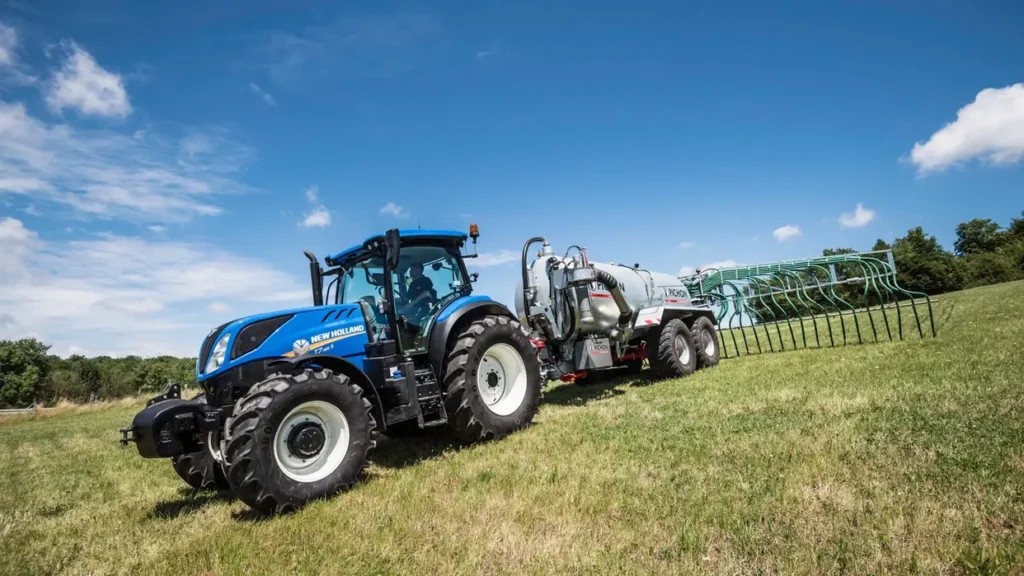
(609, 281)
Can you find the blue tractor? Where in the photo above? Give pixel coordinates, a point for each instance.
(395, 343)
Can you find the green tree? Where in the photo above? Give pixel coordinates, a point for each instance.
(24, 367)
(978, 236)
(1016, 229)
(881, 245)
(923, 265)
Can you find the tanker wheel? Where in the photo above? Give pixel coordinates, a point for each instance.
(492, 380)
(705, 342)
(675, 355)
(203, 470)
(296, 438)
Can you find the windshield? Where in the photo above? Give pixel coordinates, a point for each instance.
(426, 279)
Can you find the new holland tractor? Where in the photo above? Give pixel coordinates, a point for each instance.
(395, 342)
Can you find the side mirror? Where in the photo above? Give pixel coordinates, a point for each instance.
(392, 248)
(474, 276)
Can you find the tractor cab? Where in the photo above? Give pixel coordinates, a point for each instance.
(402, 280)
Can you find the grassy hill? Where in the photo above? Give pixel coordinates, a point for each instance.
(902, 457)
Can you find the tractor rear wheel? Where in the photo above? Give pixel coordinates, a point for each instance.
(297, 437)
(202, 470)
(705, 342)
(674, 355)
(492, 380)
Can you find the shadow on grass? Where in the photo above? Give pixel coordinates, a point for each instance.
(583, 394)
(404, 450)
(190, 500)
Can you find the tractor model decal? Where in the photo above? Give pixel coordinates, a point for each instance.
(302, 346)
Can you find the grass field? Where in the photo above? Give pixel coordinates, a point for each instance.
(903, 457)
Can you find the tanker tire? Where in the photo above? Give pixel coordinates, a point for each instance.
(705, 358)
(469, 416)
(670, 361)
(254, 466)
(201, 470)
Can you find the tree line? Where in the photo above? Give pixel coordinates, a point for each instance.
(983, 253)
(29, 374)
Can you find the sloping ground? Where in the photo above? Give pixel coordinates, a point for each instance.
(903, 457)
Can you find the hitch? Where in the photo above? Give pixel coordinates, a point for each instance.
(128, 435)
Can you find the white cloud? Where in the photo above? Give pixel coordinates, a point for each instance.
(267, 98)
(312, 194)
(83, 84)
(498, 258)
(786, 232)
(8, 44)
(318, 218)
(991, 128)
(108, 174)
(394, 210)
(721, 264)
(16, 241)
(687, 244)
(11, 70)
(858, 218)
(218, 308)
(157, 229)
(126, 295)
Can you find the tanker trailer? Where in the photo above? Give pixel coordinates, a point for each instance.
(592, 319)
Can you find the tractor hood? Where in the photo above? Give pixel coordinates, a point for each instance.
(338, 330)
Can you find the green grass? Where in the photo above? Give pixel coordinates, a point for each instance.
(900, 457)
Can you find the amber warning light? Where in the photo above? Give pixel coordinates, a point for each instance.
(474, 232)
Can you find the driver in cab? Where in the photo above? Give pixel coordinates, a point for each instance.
(420, 294)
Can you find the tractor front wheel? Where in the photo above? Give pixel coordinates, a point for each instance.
(295, 438)
(202, 470)
(492, 379)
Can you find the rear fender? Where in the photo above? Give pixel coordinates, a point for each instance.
(688, 315)
(450, 323)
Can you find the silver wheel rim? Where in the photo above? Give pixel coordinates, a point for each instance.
(709, 342)
(501, 379)
(335, 446)
(682, 349)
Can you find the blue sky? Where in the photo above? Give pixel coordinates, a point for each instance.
(162, 167)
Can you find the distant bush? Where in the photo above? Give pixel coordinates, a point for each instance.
(24, 369)
(28, 373)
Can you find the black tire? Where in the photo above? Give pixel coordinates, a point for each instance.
(250, 442)
(202, 470)
(469, 417)
(707, 349)
(674, 354)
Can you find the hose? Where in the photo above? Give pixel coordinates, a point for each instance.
(609, 281)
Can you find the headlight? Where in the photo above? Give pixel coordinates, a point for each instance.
(217, 356)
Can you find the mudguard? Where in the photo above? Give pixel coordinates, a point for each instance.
(463, 308)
